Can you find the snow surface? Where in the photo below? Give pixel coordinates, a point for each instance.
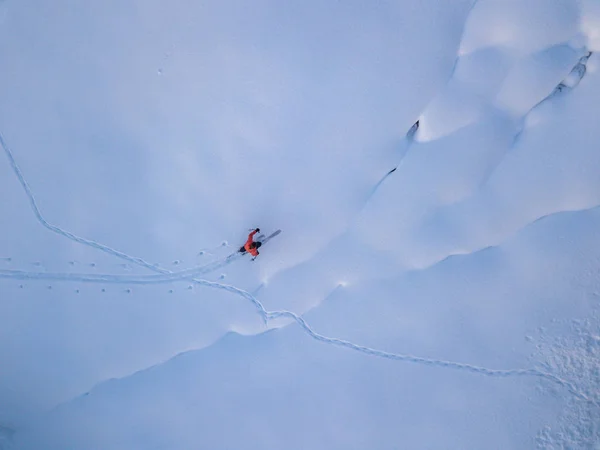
(433, 166)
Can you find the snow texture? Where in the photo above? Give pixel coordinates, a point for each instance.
(433, 167)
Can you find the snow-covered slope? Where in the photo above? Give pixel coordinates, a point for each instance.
(284, 390)
(436, 282)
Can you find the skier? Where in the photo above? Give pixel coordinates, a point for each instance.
(250, 246)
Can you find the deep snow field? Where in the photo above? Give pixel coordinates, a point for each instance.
(434, 167)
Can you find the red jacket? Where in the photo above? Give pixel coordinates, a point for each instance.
(249, 242)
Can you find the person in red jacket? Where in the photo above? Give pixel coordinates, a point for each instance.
(250, 246)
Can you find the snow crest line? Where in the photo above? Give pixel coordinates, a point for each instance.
(427, 361)
(570, 82)
(268, 315)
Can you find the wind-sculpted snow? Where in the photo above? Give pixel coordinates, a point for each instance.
(436, 256)
(266, 315)
(457, 188)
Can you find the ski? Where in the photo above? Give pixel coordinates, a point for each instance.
(268, 238)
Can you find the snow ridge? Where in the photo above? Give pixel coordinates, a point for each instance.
(569, 83)
(265, 314)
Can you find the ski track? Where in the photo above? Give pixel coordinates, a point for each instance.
(58, 230)
(186, 274)
(269, 315)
